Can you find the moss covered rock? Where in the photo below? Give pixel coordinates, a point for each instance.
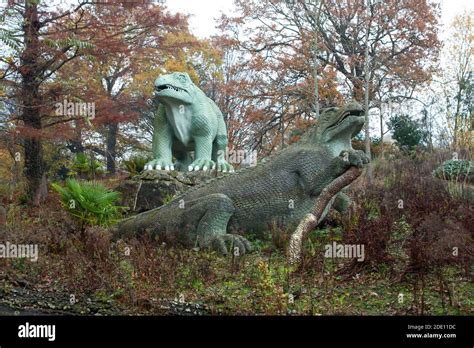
(154, 188)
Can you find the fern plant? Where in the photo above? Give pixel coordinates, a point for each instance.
(136, 164)
(85, 167)
(90, 203)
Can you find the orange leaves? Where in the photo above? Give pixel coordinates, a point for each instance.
(180, 64)
(60, 131)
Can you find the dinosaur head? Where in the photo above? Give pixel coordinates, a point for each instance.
(340, 125)
(174, 88)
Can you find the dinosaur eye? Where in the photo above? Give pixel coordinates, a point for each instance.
(182, 77)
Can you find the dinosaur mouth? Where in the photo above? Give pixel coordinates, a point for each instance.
(347, 114)
(162, 88)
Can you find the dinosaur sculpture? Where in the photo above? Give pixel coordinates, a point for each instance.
(281, 190)
(187, 120)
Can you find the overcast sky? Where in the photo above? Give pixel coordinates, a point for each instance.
(204, 12)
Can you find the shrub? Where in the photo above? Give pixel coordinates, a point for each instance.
(408, 133)
(396, 216)
(458, 170)
(89, 203)
(135, 164)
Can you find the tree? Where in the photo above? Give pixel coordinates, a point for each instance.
(37, 52)
(371, 42)
(399, 37)
(270, 53)
(406, 131)
(35, 72)
(132, 42)
(457, 79)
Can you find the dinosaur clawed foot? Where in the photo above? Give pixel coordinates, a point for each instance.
(159, 164)
(237, 244)
(223, 166)
(201, 164)
(356, 158)
(205, 165)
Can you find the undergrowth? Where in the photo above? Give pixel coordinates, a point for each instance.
(418, 258)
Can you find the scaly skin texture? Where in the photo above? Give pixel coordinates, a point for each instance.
(187, 120)
(279, 191)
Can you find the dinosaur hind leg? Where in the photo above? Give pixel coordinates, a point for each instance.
(215, 211)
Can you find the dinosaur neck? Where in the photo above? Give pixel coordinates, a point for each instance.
(339, 145)
(180, 119)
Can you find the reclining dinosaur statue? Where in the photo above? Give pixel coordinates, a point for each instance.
(280, 191)
(187, 120)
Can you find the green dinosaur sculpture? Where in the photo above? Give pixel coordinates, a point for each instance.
(280, 191)
(186, 120)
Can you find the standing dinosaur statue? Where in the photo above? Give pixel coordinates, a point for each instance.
(187, 120)
(281, 190)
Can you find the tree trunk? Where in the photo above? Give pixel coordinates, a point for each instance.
(317, 11)
(31, 100)
(456, 117)
(367, 125)
(111, 147)
(75, 145)
(381, 133)
(366, 97)
(357, 88)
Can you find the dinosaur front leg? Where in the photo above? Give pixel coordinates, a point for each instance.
(214, 211)
(338, 166)
(356, 158)
(203, 159)
(162, 143)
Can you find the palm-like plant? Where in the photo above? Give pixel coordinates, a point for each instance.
(136, 164)
(90, 203)
(85, 167)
